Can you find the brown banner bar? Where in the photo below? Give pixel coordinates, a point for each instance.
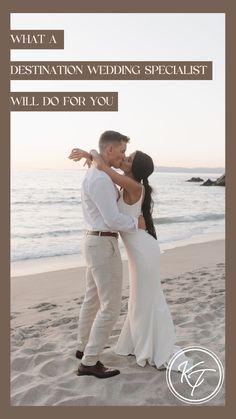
(64, 101)
(111, 70)
(37, 39)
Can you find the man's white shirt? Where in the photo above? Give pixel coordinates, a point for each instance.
(99, 203)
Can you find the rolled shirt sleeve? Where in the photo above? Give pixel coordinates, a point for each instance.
(103, 194)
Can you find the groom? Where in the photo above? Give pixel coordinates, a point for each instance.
(101, 305)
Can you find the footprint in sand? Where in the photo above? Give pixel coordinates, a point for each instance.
(78, 300)
(44, 306)
(33, 396)
(45, 347)
(20, 380)
(44, 357)
(55, 367)
(183, 300)
(22, 363)
(42, 322)
(14, 315)
(22, 333)
(73, 326)
(63, 320)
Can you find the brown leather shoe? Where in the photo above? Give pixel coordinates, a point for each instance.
(98, 370)
(79, 354)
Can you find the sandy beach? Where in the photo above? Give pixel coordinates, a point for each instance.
(44, 315)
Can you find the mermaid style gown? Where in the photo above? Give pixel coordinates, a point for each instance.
(148, 331)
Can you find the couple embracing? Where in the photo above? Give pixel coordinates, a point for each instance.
(148, 332)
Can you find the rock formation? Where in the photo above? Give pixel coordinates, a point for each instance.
(218, 182)
(195, 179)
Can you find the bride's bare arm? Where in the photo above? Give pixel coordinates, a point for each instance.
(125, 182)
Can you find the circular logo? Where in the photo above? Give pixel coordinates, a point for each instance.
(194, 375)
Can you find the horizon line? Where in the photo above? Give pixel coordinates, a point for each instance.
(155, 166)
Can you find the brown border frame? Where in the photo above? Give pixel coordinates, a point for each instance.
(107, 6)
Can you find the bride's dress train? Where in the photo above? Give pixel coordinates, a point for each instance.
(148, 331)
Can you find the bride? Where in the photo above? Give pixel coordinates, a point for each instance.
(148, 331)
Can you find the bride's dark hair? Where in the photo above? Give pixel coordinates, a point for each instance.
(142, 167)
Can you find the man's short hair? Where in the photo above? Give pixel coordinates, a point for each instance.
(111, 137)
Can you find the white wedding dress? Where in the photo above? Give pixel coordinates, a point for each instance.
(148, 331)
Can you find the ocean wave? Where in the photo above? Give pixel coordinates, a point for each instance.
(67, 201)
(55, 233)
(157, 221)
(30, 256)
(188, 218)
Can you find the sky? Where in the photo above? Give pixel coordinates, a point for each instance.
(178, 123)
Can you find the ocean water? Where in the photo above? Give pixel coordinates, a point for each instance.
(47, 220)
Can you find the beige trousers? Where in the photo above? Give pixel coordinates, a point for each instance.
(102, 301)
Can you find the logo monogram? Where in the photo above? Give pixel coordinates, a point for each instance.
(192, 386)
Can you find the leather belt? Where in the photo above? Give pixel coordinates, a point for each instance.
(102, 233)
